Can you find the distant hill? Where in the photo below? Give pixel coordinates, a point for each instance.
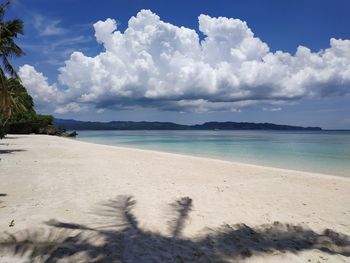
(145, 125)
(249, 126)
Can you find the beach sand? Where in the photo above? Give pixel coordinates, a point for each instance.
(83, 202)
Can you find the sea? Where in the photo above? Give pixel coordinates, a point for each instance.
(326, 152)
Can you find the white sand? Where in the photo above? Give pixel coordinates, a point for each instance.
(66, 180)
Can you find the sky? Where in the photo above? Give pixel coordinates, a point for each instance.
(285, 62)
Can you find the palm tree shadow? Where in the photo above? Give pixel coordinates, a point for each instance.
(10, 151)
(117, 237)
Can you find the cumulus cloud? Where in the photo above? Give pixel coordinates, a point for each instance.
(167, 67)
(37, 85)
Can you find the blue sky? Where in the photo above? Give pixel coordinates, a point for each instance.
(56, 29)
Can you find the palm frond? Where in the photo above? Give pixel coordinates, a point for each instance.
(13, 27)
(12, 97)
(3, 8)
(9, 31)
(8, 67)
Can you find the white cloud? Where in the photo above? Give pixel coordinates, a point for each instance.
(47, 27)
(160, 65)
(38, 87)
(70, 107)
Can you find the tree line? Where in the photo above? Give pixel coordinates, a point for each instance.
(17, 114)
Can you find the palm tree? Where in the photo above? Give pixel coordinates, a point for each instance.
(13, 99)
(9, 30)
(9, 99)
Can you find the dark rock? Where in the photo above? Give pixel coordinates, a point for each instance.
(72, 134)
(51, 130)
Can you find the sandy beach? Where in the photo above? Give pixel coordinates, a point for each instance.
(72, 201)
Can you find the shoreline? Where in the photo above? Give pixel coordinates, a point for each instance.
(49, 183)
(310, 173)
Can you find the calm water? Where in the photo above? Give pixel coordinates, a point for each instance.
(324, 152)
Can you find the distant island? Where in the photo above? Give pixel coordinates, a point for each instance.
(146, 125)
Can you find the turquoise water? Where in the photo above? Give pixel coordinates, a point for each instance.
(324, 152)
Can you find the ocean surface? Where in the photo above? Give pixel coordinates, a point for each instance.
(325, 152)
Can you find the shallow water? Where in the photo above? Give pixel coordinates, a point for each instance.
(315, 151)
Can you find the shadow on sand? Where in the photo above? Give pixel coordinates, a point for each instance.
(8, 151)
(11, 137)
(11, 151)
(2, 195)
(118, 238)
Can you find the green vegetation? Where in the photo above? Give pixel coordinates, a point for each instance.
(21, 116)
(24, 119)
(17, 114)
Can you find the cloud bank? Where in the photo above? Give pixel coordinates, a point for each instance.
(163, 66)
